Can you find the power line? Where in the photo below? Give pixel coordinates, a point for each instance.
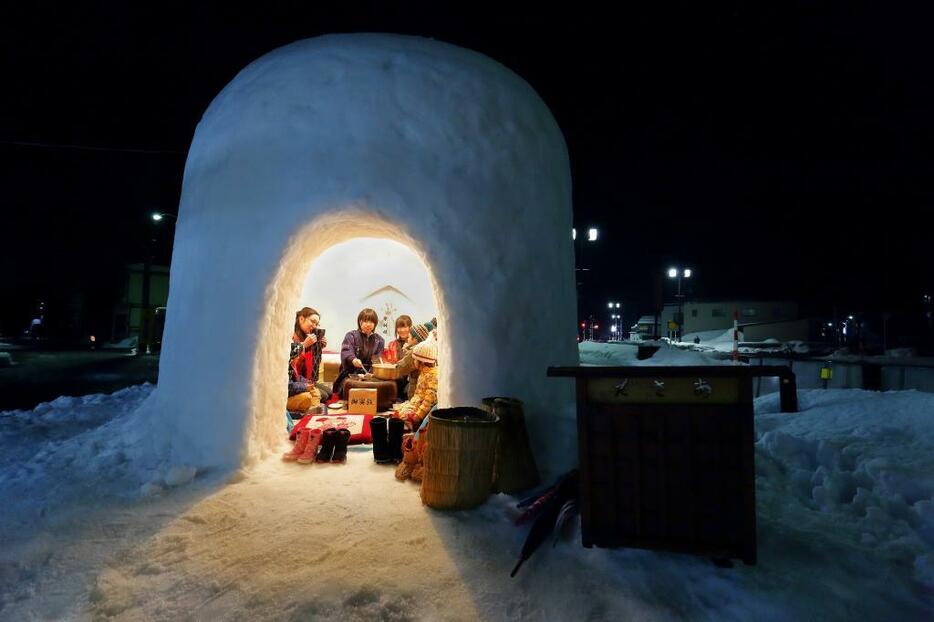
(22, 143)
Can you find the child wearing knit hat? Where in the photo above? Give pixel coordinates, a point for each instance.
(406, 365)
(426, 389)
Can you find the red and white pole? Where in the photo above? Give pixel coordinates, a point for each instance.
(735, 336)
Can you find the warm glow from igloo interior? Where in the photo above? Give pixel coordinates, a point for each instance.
(375, 273)
(338, 264)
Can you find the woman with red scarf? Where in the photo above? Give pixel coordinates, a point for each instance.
(308, 341)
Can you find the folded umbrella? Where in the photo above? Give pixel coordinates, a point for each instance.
(549, 509)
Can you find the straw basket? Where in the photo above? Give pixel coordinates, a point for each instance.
(459, 459)
(515, 469)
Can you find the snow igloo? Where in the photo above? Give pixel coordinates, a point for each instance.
(343, 139)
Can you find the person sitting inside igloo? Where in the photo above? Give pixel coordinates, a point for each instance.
(308, 343)
(394, 349)
(425, 397)
(405, 367)
(360, 349)
(303, 355)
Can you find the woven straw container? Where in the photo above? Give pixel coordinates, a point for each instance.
(514, 468)
(459, 459)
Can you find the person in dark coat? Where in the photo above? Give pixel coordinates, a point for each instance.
(361, 348)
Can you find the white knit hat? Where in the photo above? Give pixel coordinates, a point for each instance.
(426, 351)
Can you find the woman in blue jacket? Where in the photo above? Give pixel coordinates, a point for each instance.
(361, 348)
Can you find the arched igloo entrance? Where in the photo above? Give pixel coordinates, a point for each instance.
(349, 136)
(339, 263)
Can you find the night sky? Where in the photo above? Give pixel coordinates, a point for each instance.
(781, 153)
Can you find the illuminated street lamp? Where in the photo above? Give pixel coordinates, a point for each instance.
(617, 318)
(579, 244)
(159, 216)
(675, 273)
(591, 237)
(146, 332)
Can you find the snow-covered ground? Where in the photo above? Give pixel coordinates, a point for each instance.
(613, 354)
(90, 530)
(721, 341)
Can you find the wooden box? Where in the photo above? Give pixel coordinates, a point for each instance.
(361, 401)
(386, 391)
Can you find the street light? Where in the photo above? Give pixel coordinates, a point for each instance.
(591, 237)
(146, 331)
(616, 317)
(675, 273)
(579, 243)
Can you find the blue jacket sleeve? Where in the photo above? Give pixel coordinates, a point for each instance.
(348, 350)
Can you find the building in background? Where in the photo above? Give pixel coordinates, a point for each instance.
(717, 315)
(760, 320)
(141, 310)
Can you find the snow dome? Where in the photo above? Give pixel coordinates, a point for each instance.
(345, 138)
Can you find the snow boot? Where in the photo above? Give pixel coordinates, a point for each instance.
(380, 446)
(340, 445)
(396, 428)
(328, 439)
(409, 459)
(314, 439)
(299, 447)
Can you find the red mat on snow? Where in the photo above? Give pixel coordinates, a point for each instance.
(359, 426)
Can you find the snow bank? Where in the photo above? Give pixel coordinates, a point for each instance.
(710, 337)
(75, 450)
(670, 355)
(856, 468)
(617, 354)
(606, 354)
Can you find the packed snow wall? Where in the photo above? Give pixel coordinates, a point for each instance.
(349, 136)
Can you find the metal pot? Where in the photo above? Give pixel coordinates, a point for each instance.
(385, 371)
